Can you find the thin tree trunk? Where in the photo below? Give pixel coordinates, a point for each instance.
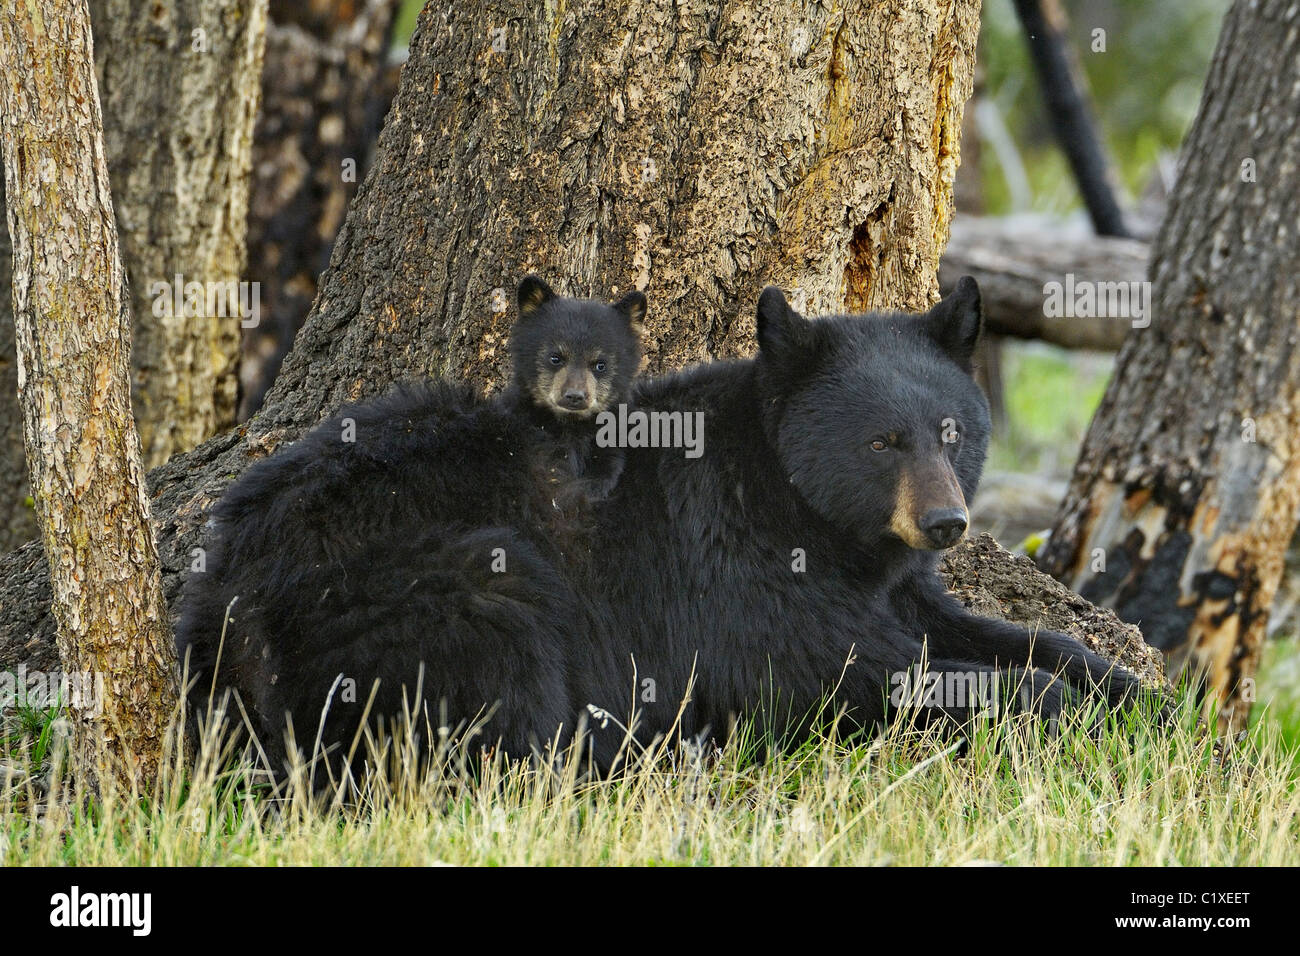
(1185, 493)
(180, 87)
(73, 331)
(1064, 90)
(178, 125)
(17, 517)
(698, 154)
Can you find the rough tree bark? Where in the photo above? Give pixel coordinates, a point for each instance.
(324, 95)
(1185, 493)
(180, 83)
(17, 519)
(73, 330)
(698, 152)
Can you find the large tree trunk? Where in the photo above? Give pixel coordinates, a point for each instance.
(324, 94)
(1184, 497)
(656, 146)
(73, 329)
(180, 88)
(697, 154)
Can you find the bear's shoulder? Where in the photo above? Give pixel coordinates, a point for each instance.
(414, 434)
(697, 387)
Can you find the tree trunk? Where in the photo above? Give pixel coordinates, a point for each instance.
(180, 87)
(1185, 494)
(1064, 88)
(323, 97)
(73, 331)
(178, 124)
(657, 147)
(17, 518)
(697, 153)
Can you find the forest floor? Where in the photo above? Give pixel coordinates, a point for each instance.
(1009, 793)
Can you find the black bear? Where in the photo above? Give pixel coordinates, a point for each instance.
(456, 509)
(572, 359)
(794, 557)
(798, 554)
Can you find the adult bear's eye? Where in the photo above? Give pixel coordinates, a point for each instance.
(556, 359)
(879, 444)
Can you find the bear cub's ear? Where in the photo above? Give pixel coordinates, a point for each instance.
(533, 294)
(955, 323)
(781, 330)
(632, 307)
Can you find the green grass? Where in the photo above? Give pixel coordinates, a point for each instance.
(1278, 690)
(1129, 795)
(1050, 397)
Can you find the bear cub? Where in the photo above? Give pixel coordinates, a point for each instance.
(458, 509)
(572, 359)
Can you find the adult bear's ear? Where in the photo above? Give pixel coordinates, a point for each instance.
(784, 335)
(955, 323)
(632, 307)
(533, 294)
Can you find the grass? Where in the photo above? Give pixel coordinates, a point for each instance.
(1018, 796)
(1050, 396)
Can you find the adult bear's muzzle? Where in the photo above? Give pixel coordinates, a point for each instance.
(929, 509)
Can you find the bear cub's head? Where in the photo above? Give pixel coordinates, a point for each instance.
(575, 358)
(876, 418)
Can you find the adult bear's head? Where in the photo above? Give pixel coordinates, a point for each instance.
(876, 418)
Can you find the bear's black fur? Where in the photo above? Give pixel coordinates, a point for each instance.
(827, 447)
(795, 557)
(572, 359)
(456, 509)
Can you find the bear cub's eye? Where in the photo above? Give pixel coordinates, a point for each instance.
(557, 359)
(598, 366)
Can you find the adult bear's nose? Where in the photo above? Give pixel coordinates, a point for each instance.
(943, 526)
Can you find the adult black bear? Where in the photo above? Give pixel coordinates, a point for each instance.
(425, 525)
(796, 555)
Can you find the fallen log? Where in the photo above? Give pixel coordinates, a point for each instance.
(1014, 259)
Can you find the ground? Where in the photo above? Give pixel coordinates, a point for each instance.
(1013, 799)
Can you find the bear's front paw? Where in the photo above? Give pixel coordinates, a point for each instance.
(1039, 693)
